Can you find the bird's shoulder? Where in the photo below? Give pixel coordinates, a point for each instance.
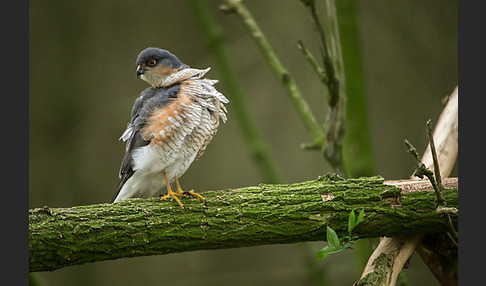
(149, 99)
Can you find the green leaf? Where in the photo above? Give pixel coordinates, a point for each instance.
(347, 245)
(332, 239)
(325, 252)
(351, 222)
(360, 217)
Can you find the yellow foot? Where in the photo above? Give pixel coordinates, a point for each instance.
(192, 193)
(179, 192)
(173, 195)
(188, 194)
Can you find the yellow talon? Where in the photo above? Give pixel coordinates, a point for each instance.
(188, 194)
(179, 192)
(192, 193)
(173, 195)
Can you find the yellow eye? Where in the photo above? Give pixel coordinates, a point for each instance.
(151, 63)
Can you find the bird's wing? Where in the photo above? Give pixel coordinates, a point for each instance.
(203, 91)
(150, 99)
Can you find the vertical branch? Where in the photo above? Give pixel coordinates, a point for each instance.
(254, 141)
(335, 61)
(300, 104)
(334, 128)
(337, 117)
(331, 139)
(331, 83)
(358, 154)
(357, 148)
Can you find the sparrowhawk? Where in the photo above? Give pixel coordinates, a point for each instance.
(172, 122)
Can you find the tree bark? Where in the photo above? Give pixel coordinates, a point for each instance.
(265, 214)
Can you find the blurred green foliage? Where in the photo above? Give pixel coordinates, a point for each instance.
(82, 85)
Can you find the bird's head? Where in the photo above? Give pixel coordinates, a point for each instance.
(154, 65)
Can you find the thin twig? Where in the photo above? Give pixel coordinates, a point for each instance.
(321, 74)
(334, 78)
(440, 197)
(446, 138)
(254, 141)
(331, 138)
(332, 82)
(300, 104)
(421, 170)
(441, 202)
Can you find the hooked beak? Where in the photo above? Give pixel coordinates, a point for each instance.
(140, 71)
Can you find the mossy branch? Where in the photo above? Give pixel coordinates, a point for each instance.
(264, 214)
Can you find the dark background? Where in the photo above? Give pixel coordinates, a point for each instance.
(82, 85)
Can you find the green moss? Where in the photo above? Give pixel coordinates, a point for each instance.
(378, 276)
(284, 213)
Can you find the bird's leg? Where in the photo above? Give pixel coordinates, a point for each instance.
(170, 193)
(178, 186)
(190, 193)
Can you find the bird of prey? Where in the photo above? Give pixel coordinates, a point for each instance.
(172, 122)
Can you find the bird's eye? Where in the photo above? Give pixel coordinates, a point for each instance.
(151, 63)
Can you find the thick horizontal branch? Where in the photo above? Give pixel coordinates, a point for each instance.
(265, 214)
